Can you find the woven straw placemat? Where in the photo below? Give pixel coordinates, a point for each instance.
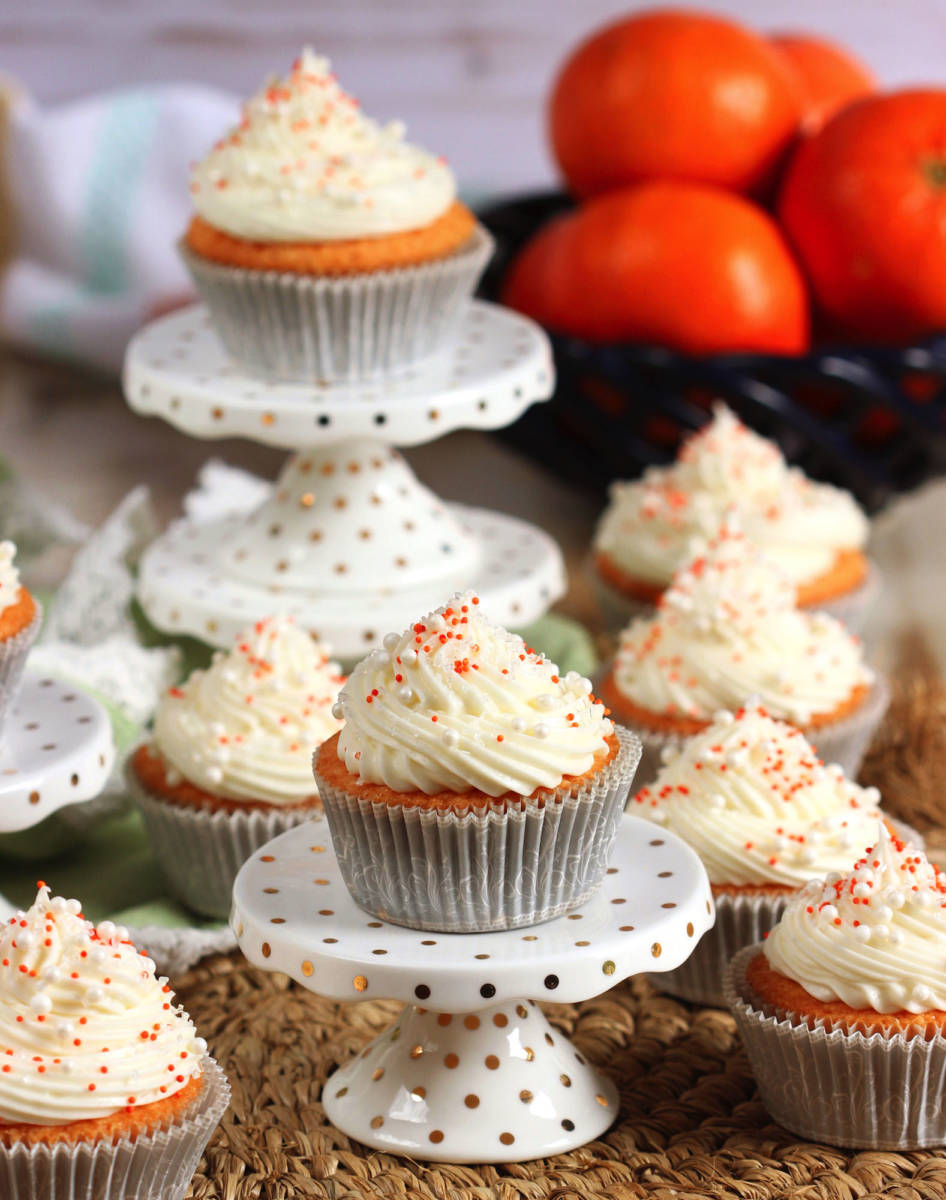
(690, 1124)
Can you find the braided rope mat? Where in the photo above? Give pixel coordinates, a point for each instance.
(689, 1125)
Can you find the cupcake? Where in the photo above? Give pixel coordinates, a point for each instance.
(20, 617)
(325, 245)
(843, 1008)
(472, 787)
(105, 1088)
(813, 532)
(227, 768)
(765, 815)
(726, 629)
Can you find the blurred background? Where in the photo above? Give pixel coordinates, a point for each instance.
(470, 79)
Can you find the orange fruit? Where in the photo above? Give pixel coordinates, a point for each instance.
(829, 77)
(864, 203)
(676, 95)
(677, 264)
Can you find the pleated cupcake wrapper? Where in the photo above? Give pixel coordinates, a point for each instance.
(154, 1166)
(201, 850)
(13, 652)
(618, 609)
(348, 328)
(873, 1092)
(844, 742)
(496, 868)
(742, 919)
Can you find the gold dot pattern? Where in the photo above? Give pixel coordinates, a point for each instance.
(471, 1100)
(307, 968)
(492, 1062)
(436, 1136)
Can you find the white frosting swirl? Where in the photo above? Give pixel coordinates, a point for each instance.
(305, 165)
(755, 802)
(648, 528)
(456, 703)
(245, 728)
(86, 1028)
(9, 576)
(727, 629)
(874, 937)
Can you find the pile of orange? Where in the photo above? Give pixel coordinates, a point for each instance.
(735, 189)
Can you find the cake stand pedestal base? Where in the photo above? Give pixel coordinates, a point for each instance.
(453, 1087)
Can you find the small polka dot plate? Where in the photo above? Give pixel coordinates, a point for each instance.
(498, 364)
(57, 750)
(471, 1036)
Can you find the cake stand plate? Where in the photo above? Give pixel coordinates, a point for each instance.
(57, 750)
(497, 365)
(471, 1071)
(184, 588)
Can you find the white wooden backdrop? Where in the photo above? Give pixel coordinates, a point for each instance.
(469, 76)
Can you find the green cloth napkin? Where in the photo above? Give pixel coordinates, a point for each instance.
(113, 872)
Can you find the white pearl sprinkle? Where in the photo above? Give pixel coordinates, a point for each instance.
(517, 724)
(51, 975)
(832, 878)
(450, 737)
(860, 890)
(214, 775)
(883, 913)
(895, 937)
(880, 933)
(829, 912)
(862, 933)
(106, 930)
(41, 1003)
(922, 899)
(95, 994)
(545, 701)
(338, 712)
(390, 641)
(541, 730)
(717, 802)
(723, 717)
(74, 907)
(405, 693)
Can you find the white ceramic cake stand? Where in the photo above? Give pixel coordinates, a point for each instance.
(471, 1071)
(56, 750)
(348, 540)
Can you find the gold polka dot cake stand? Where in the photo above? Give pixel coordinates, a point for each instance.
(56, 752)
(347, 540)
(471, 1071)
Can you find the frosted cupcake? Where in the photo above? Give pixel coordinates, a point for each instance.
(726, 629)
(472, 787)
(227, 768)
(843, 1008)
(813, 532)
(20, 617)
(751, 796)
(105, 1088)
(326, 246)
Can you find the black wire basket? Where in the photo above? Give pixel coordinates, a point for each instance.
(871, 419)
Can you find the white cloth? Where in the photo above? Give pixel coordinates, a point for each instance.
(99, 194)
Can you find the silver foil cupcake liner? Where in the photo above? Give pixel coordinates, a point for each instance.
(844, 742)
(874, 1092)
(155, 1166)
(13, 653)
(201, 850)
(495, 868)
(742, 919)
(618, 609)
(284, 326)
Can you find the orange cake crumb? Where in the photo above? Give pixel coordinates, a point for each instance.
(676, 723)
(784, 996)
(334, 771)
(151, 770)
(16, 616)
(845, 575)
(129, 1122)
(351, 256)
